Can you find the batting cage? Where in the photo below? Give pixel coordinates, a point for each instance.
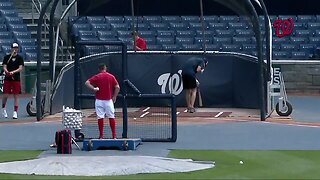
(150, 81)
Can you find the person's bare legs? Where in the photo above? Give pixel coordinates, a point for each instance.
(16, 105)
(4, 102)
(193, 94)
(188, 98)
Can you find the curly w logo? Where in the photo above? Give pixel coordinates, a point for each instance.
(283, 27)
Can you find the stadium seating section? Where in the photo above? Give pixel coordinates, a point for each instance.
(179, 33)
(12, 29)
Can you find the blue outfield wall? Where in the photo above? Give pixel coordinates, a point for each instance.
(230, 80)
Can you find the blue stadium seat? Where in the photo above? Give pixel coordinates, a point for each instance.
(6, 42)
(8, 12)
(317, 32)
(88, 38)
(154, 47)
(165, 40)
(280, 55)
(189, 19)
(230, 48)
(178, 26)
(89, 50)
(249, 48)
(307, 47)
(142, 26)
(241, 40)
(237, 25)
(285, 17)
(124, 34)
(191, 47)
(101, 27)
(26, 42)
(120, 26)
(110, 48)
(168, 19)
(198, 26)
(299, 55)
(171, 47)
(150, 40)
(306, 18)
(222, 40)
(312, 40)
(213, 47)
(184, 40)
(154, 19)
(166, 33)
(137, 19)
(2, 20)
(275, 47)
(211, 19)
(14, 20)
(6, 5)
(106, 39)
(207, 33)
(30, 49)
(17, 27)
(244, 33)
(79, 27)
(77, 20)
(3, 28)
(87, 34)
(228, 19)
(22, 35)
(107, 34)
(313, 25)
(215, 25)
(30, 56)
(6, 35)
(2, 54)
(96, 19)
(199, 40)
(288, 47)
(299, 25)
(298, 40)
(147, 33)
(225, 33)
(6, 48)
(126, 40)
(185, 33)
(303, 33)
(277, 40)
(159, 26)
(114, 19)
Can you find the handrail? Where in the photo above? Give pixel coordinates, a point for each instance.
(46, 17)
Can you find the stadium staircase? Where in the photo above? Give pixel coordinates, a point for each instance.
(29, 11)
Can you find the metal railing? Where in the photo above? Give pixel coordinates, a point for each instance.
(36, 5)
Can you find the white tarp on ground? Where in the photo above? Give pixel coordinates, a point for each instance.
(101, 165)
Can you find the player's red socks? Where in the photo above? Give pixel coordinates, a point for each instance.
(15, 108)
(100, 125)
(112, 122)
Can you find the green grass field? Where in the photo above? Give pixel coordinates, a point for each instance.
(257, 165)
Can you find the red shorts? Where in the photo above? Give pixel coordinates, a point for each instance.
(11, 87)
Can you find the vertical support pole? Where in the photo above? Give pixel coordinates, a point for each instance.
(77, 77)
(174, 119)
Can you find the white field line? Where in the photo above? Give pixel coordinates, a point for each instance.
(219, 114)
(144, 114)
(146, 109)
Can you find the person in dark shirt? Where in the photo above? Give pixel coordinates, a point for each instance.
(12, 66)
(193, 66)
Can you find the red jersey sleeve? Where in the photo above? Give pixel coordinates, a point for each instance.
(93, 80)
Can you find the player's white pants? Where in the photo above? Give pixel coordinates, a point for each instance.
(104, 108)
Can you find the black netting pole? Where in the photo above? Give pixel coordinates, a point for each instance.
(39, 58)
(203, 27)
